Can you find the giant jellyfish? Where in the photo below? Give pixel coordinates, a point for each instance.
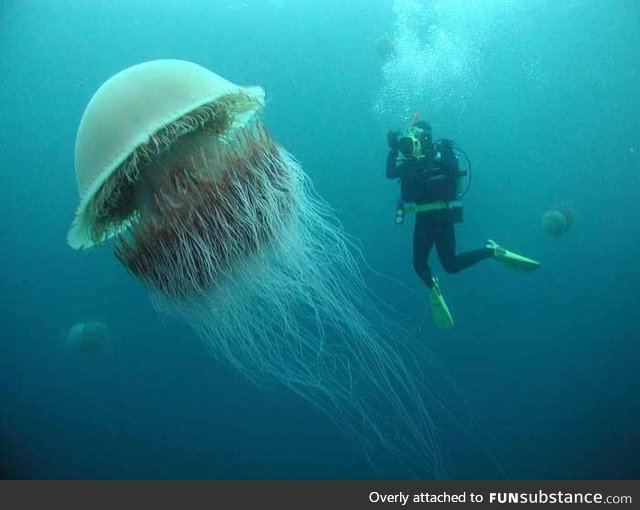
(222, 226)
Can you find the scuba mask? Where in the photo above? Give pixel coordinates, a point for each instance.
(414, 142)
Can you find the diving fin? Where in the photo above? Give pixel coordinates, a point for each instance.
(512, 259)
(439, 309)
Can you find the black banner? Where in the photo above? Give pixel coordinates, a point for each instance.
(312, 495)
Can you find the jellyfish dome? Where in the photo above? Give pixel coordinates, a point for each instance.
(385, 48)
(89, 337)
(221, 225)
(556, 221)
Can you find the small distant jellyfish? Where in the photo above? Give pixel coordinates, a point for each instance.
(385, 48)
(221, 225)
(556, 221)
(89, 338)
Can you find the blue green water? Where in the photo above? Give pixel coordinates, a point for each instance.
(543, 97)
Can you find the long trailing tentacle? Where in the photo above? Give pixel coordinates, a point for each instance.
(237, 244)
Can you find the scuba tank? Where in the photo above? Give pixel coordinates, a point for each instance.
(460, 155)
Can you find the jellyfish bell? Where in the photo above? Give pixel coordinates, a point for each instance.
(91, 337)
(222, 226)
(556, 221)
(385, 48)
(135, 117)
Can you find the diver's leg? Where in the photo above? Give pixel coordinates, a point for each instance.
(445, 240)
(422, 244)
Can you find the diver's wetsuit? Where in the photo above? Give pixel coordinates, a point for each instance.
(427, 180)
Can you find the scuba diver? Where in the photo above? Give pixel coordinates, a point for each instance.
(430, 179)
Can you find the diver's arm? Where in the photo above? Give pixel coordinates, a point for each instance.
(393, 170)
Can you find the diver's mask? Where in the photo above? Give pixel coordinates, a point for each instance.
(410, 144)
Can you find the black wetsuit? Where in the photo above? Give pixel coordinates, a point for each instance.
(427, 180)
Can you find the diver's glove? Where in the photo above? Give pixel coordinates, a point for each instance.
(392, 140)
